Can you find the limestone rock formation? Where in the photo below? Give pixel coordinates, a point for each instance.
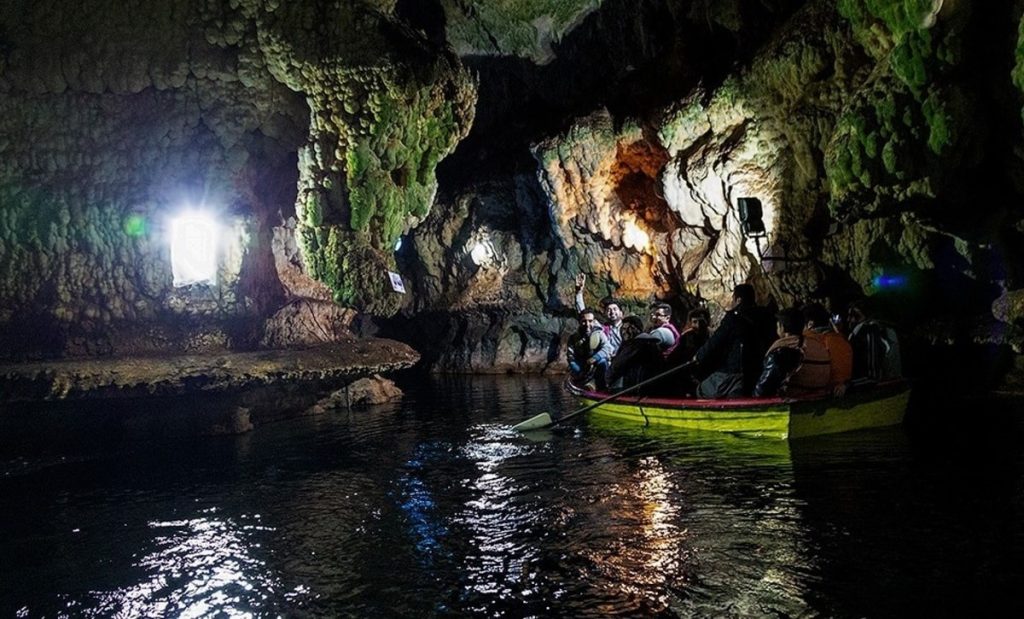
(373, 390)
(295, 127)
(489, 151)
(207, 373)
(850, 124)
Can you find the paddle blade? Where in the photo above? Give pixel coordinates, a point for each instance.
(542, 420)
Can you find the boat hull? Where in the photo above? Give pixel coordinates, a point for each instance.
(774, 418)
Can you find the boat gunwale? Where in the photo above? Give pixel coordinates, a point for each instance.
(872, 392)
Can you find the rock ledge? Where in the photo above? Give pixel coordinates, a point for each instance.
(210, 373)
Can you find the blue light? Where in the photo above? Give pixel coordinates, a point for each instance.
(889, 281)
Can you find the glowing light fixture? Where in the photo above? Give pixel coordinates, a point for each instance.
(194, 248)
(482, 253)
(398, 244)
(633, 235)
(135, 225)
(889, 281)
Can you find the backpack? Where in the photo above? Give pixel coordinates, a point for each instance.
(876, 351)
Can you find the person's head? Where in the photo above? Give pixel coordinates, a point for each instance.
(632, 326)
(661, 314)
(815, 316)
(697, 319)
(612, 309)
(743, 296)
(588, 320)
(855, 314)
(791, 321)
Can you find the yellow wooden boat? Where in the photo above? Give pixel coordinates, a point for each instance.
(863, 406)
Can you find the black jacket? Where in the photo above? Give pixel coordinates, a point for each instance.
(738, 344)
(778, 365)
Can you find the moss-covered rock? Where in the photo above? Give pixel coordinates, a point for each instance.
(894, 138)
(1018, 65)
(525, 28)
(386, 107)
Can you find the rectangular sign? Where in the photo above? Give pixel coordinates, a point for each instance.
(396, 282)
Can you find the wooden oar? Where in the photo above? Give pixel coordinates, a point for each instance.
(544, 420)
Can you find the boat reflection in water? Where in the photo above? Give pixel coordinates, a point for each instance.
(721, 521)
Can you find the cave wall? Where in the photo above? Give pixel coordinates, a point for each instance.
(114, 118)
(882, 138)
(312, 130)
(561, 145)
(503, 147)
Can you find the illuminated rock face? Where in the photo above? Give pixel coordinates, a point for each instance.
(601, 185)
(108, 135)
(385, 108)
(608, 137)
(320, 130)
(865, 131)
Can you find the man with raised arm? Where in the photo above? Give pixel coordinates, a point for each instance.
(587, 352)
(612, 312)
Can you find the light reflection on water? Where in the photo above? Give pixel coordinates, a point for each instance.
(436, 507)
(198, 567)
(496, 517)
(640, 506)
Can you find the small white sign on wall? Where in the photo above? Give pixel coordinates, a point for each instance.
(396, 282)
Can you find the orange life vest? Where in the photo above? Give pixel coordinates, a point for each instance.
(815, 369)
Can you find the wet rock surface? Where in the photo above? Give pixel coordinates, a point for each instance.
(206, 374)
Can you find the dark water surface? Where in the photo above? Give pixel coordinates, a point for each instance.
(436, 507)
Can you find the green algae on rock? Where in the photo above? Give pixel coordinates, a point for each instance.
(385, 107)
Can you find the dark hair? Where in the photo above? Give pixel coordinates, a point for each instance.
(816, 314)
(634, 323)
(745, 293)
(585, 311)
(792, 321)
(605, 302)
(665, 307)
(698, 314)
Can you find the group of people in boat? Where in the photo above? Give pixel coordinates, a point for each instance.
(801, 350)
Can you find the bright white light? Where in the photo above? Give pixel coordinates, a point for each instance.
(633, 235)
(398, 244)
(481, 253)
(194, 249)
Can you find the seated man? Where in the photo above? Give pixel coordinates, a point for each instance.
(733, 354)
(627, 365)
(691, 338)
(644, 355)
(795, 364)
(876, 348)
(613, 314)
(588, 352)
(662, 330)
(632, 326)
(818, 323)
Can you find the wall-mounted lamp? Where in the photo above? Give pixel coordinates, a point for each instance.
(752, 226)
(751, 213)
(194, 248)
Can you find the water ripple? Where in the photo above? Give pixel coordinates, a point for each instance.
(435, 507)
